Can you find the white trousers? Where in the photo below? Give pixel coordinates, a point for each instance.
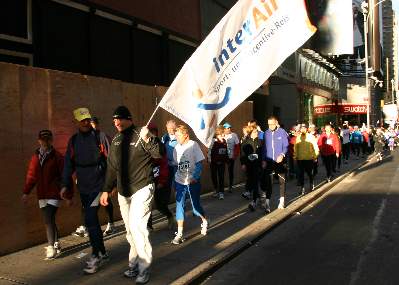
(135, 212)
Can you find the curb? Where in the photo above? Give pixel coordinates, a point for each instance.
(258, 230)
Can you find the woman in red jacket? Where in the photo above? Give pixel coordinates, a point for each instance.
(44, 172)
(330, 148)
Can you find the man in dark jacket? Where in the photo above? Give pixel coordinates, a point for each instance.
(130, 163)
(86, 157)
(274, 153)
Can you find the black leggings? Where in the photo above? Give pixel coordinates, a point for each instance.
(217, 174)
(305, 166)
(253, 179)
(230, 167)
(161, 200)
(273, 168)
(346, 150)
(49, 220)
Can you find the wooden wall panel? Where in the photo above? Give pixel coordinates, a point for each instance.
(32, 99)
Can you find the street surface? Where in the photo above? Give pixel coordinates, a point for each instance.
(346, 238)
(350, 237)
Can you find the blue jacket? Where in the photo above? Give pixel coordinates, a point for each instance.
(356, 137)
(275, 144)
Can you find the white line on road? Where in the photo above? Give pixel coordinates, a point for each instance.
(374, 234)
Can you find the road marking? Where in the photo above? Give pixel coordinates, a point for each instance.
(374, 234)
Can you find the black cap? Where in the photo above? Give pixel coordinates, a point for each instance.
(45, 134)
(122, 112)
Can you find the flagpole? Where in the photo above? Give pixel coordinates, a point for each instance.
(152, 116)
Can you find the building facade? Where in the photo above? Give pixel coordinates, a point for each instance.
(125, 40)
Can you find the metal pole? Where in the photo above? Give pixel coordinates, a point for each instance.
(366, 57)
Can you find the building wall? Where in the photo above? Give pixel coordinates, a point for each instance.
(110, 40)
(389, 47)
(32, 99)
(180, 16)
(212, 12)
(284, 102)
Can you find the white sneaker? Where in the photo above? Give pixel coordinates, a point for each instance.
(51, 252)
(178, 239)
(221, 196)
(281, 204)
(85, 232)
(204, 228)
(57, 248)
(92, 265)
(79, 231)
(109, 230)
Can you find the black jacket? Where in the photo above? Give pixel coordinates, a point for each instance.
(251, 151)
(130, 166)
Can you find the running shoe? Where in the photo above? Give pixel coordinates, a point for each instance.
(132, 272)
(178, 239)
(143, 277)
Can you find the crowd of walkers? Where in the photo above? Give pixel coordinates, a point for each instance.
(143, 168)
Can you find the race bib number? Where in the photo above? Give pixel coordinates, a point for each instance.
(156, 171)
(222, 151)
(329, 141)
(253, 157)
(183, 166)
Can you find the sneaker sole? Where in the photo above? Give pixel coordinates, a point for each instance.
(89, 272)
(143, 282)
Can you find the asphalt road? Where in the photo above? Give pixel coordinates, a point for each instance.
(350, 236)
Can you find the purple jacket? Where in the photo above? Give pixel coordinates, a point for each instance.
(276, 143)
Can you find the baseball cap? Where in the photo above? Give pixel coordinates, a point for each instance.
(81, 114)
(45, 134)
(122, 112)
(226, 125)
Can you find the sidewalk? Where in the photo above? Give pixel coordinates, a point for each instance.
(232, 227)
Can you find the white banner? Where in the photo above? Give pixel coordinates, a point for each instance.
(242, 51)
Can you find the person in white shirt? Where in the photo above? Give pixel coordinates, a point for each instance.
(233, 149)
(345, 134)
(188, 158)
